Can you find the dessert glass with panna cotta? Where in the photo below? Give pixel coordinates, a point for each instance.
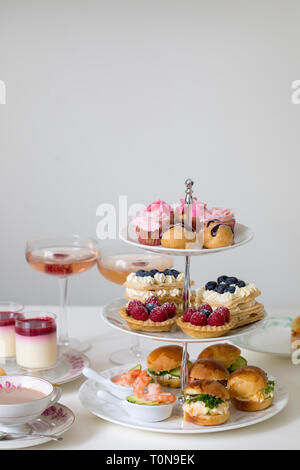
(8, 312)
(36, 343)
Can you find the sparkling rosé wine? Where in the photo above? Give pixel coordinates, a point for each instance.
(62, 261)
(116, 268)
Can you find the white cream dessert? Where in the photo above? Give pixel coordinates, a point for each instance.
(7, 335)
(36, 344)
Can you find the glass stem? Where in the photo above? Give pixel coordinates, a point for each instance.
(135, 347)
(63, 338)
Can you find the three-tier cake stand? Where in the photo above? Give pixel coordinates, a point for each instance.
(88, 392)
(243, 235)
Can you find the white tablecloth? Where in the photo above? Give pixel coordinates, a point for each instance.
(90, 432)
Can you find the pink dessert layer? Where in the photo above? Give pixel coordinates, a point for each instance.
(7, 318)
(34, 339)
(36, 326)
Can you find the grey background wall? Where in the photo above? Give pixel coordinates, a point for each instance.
(131, 97)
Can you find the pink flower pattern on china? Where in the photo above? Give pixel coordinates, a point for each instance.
(77, 362)
(55, 412)
(9, 386)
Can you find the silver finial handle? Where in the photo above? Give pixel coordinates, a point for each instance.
(189, 191)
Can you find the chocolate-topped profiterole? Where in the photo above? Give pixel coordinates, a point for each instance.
(217, 234)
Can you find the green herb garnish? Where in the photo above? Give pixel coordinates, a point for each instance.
(270, 387)
(209, 400)
(162, 372)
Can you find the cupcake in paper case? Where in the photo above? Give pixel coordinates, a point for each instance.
(225, 216)
(199, 211)
(150, 225)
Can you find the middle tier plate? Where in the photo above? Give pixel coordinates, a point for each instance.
(110, 314)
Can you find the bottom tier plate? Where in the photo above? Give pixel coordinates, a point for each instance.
(175, 424)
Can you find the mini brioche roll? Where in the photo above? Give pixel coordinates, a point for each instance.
(207, 387)
(208, 369)
(177, 237)
(251, 405)
(165, 358)
(206, 420)
(246, 382)
(295, 325)
(222, 352)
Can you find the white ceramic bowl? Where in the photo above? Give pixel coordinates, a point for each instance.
(120, 391)
(146, 413)
(21, 413)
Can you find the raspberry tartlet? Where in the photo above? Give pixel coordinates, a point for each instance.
(150, 316)
(206, 322)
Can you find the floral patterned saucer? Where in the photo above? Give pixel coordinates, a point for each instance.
(54, 421)
(69, 367)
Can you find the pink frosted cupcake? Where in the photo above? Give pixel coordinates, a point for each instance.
(155, 219)
(226, 216)
(199, 212)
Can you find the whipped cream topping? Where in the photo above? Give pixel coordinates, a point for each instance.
(159, 278)
(227, 297)
(144, 295)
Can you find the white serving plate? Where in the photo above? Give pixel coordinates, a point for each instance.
(273, 338)
(175, 424)
(111, 316)
(54, 421)
(242, 235)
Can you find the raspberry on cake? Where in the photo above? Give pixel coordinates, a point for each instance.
(149, 316)
(198, 319)
(188, 313)
(158, 314)
(205, 307)
(132, 304)
(153, 300)
(170, 308)
(156, 286)
(206, 323)
(216, 319)
(139, 313)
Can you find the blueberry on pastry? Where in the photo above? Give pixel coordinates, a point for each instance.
(217, 235)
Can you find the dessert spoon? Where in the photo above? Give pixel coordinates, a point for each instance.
(5, 435)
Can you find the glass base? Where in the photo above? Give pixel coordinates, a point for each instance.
(10, 366)
(76, 344)
(124, 356)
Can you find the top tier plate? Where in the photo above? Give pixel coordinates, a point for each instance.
(242, 235)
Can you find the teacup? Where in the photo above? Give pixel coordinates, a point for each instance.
(38, 395)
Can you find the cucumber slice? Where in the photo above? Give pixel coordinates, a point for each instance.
(239, 362)
(177, 372)
(140, 401)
